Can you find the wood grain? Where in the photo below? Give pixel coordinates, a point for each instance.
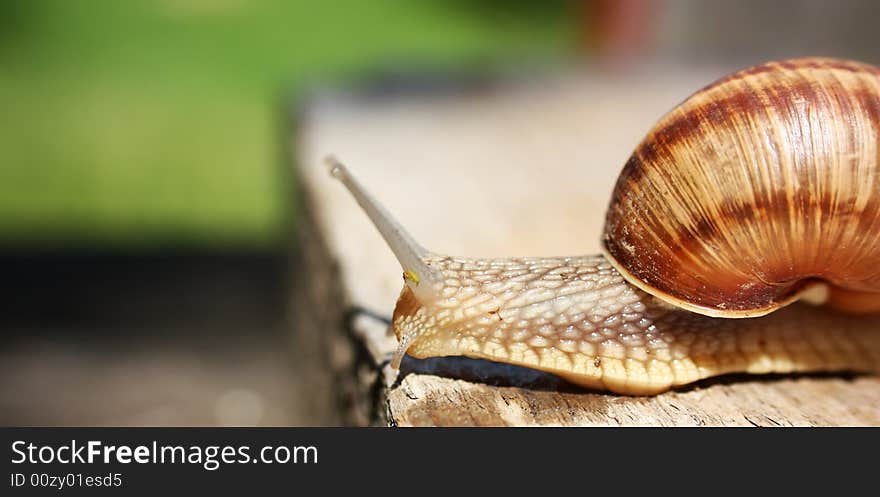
(425, 400)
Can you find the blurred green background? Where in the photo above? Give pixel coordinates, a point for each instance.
(159, 123)
(146, 195)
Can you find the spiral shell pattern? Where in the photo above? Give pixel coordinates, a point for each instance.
(754, 188)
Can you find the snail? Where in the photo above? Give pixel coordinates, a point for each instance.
(757, 191)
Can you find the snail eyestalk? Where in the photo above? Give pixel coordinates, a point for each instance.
(423, 280)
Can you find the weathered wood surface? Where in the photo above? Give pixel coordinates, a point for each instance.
(423, 400)
(522, 168)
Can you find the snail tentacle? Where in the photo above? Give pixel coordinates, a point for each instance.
(419, 277)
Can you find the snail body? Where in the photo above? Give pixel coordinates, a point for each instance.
(757, 191)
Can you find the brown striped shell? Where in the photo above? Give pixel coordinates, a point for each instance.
(753, 189)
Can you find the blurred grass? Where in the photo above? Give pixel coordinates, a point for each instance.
(158, 123)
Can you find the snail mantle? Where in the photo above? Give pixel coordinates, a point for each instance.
(525, 168)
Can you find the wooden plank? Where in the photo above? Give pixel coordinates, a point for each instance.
(426, 400)
(522, 167)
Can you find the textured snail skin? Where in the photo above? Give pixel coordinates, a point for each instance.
(755, 187)
(757, 190)
(578, 318)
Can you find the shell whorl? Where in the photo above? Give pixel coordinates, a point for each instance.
(753, 188)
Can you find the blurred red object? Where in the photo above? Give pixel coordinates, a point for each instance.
(616, 31)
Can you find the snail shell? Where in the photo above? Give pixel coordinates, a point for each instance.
(758, 190)
(755, 188)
